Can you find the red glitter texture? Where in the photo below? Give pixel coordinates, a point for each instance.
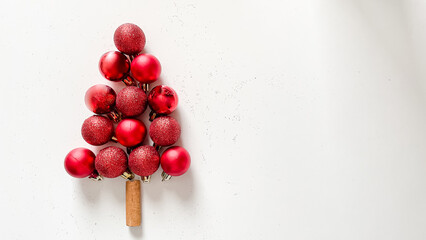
(175, 161)
(129, 39)
(80, 162)
(100, 99)
(97, 130)
(114, 66)
(162, 99)
(131, 101)
(164, 131)
(111, 162)
(146, 68)
(130, 132)
(144, 160)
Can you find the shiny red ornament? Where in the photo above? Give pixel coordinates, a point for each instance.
(111, 162)
(130, 132)
(175, 161)
(131, 101)
(100, 99)
(97, 130)
(129, 39)
(162, 99)
(164, 131)
(144, 160)
(145, 68)
(80, 162)
(114, 66)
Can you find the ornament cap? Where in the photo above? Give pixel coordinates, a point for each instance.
(95, 176)
(129, 81)
(157, 147)
(165, 176)
(152, 116)
(146, 179)
(114, 116)
(128, 175)
(145, 87)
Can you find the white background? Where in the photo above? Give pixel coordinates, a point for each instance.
(304, 119)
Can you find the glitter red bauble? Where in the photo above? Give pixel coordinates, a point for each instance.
(111, 162)
(97, 130)
(144, 160)
(131, 101)
(164, 131)
(80, 162)
(162, 99)
(175, 161)
(145, 68)
(114, 66)
(129, 39)
(100, 99)
(130, 132)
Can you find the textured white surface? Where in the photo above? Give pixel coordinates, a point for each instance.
(304, 119)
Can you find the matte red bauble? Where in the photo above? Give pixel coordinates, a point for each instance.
(175, 161)
(97, 130)
(80, 162)
(144, 160)
(100, 99)
(131, 101)
(114, 66)
(130, 132)
(164, 131)
(145, 68)
(111, 162)
(129, 39)
(162, 99)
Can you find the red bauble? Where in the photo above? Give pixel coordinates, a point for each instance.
(131, 101)
(145, 68)
(111, 162)
(144, 160)
(164, 131)
(130, 132)
(100, 99)
(175, 161)
(162, 99)
(97, 130)
(129, 39)
(114, 66)
(80, 162)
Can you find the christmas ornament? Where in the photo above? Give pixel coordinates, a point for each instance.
(130, 132)
(137, 71)
(175, 161)
(97, 130)
(131, 101)
(164, 131)
(111, 162)
(80, 163)
(144, 161)
(162, 100)
(115, 66)
(100, 99)
(145, 69)
(129, 39)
